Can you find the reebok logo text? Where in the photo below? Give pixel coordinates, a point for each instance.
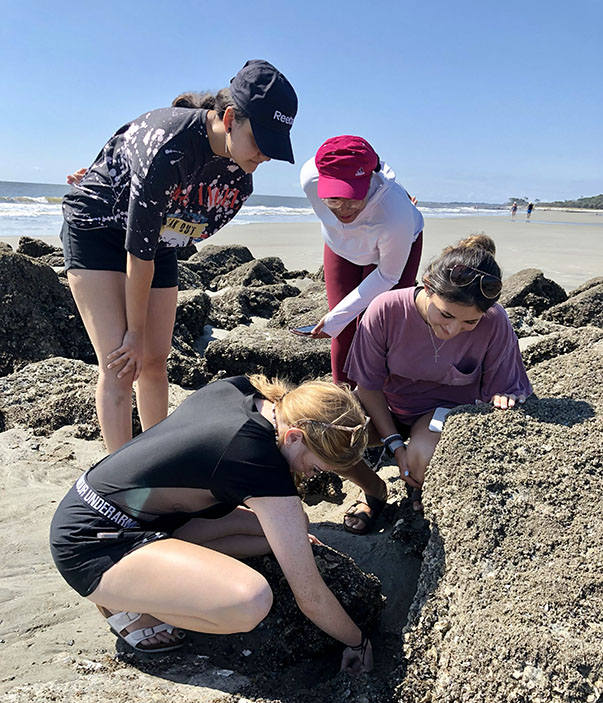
(282, 118)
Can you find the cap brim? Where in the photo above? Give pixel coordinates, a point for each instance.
(274, 145)
(338, 188)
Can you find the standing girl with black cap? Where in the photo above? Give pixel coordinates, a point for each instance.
(167, 178)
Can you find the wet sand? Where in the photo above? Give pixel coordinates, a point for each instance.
(566, 246)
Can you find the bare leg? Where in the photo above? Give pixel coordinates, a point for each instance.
(241, 531)
(421, 447)
(187, 586)
(152, 384)
(238, 534)
(100, 299)
(368, 481)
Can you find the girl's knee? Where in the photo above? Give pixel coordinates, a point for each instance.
(154, 366)
(255, 601)
(418, 456)
(118, 390)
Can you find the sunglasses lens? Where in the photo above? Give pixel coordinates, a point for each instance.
(338, 203)
(490, 286)
(461, 275)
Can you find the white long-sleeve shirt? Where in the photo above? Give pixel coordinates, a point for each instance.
(382, 234)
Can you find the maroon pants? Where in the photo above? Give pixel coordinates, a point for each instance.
(341, 277)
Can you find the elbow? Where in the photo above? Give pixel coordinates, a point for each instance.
(309, 603)
(390, 279)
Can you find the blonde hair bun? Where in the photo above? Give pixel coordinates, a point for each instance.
(314, 407)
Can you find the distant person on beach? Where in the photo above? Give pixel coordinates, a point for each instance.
(419, 351)
(165, 179)
(529, 210)
(159, 526)
(513, 210)
(372, 230)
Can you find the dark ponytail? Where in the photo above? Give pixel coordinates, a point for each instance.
(208, 101)
(477, 252)
(205, 101)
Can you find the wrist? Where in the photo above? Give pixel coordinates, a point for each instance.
(390, 439)
(361, 647)
(394, 446)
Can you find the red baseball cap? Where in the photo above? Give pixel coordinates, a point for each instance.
(344, 166)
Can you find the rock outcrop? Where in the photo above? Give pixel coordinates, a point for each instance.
(189, 280)
(510, 592)
(530, 289)
(42, 251)
(526, 324)
(591, 283)
(185, 364)
(305, 309)
(253, 273)
(213, 261)
(37, 396)
(37, 315)
(274, 352)
(237, 305)
(584, 308)
(286, 636)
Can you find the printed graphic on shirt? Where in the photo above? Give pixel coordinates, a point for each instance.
(180, 233)
(199, 210)
(157, 179)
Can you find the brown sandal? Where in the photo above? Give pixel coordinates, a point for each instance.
(375, 504)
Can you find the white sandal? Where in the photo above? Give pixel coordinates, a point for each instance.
(119, 622)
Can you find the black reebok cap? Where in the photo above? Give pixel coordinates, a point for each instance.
(270, 102)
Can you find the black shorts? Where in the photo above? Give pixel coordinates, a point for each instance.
(403, 428)
(104, 250)
(80, 557)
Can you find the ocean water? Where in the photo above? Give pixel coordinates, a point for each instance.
(34, 209)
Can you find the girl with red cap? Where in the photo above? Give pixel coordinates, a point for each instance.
(372, 232)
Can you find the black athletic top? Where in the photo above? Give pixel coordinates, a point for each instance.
(158, 180)
(217, 440)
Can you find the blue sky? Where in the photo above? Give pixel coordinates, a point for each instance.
(471, 100)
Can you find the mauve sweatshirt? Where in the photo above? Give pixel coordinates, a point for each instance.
(394, 352)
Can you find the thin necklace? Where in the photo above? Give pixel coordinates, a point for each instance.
(436, 350)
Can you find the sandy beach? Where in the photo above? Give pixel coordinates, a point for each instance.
(54, 645)
(566, 246)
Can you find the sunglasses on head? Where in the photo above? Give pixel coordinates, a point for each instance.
(489, 284)
(346, 428)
